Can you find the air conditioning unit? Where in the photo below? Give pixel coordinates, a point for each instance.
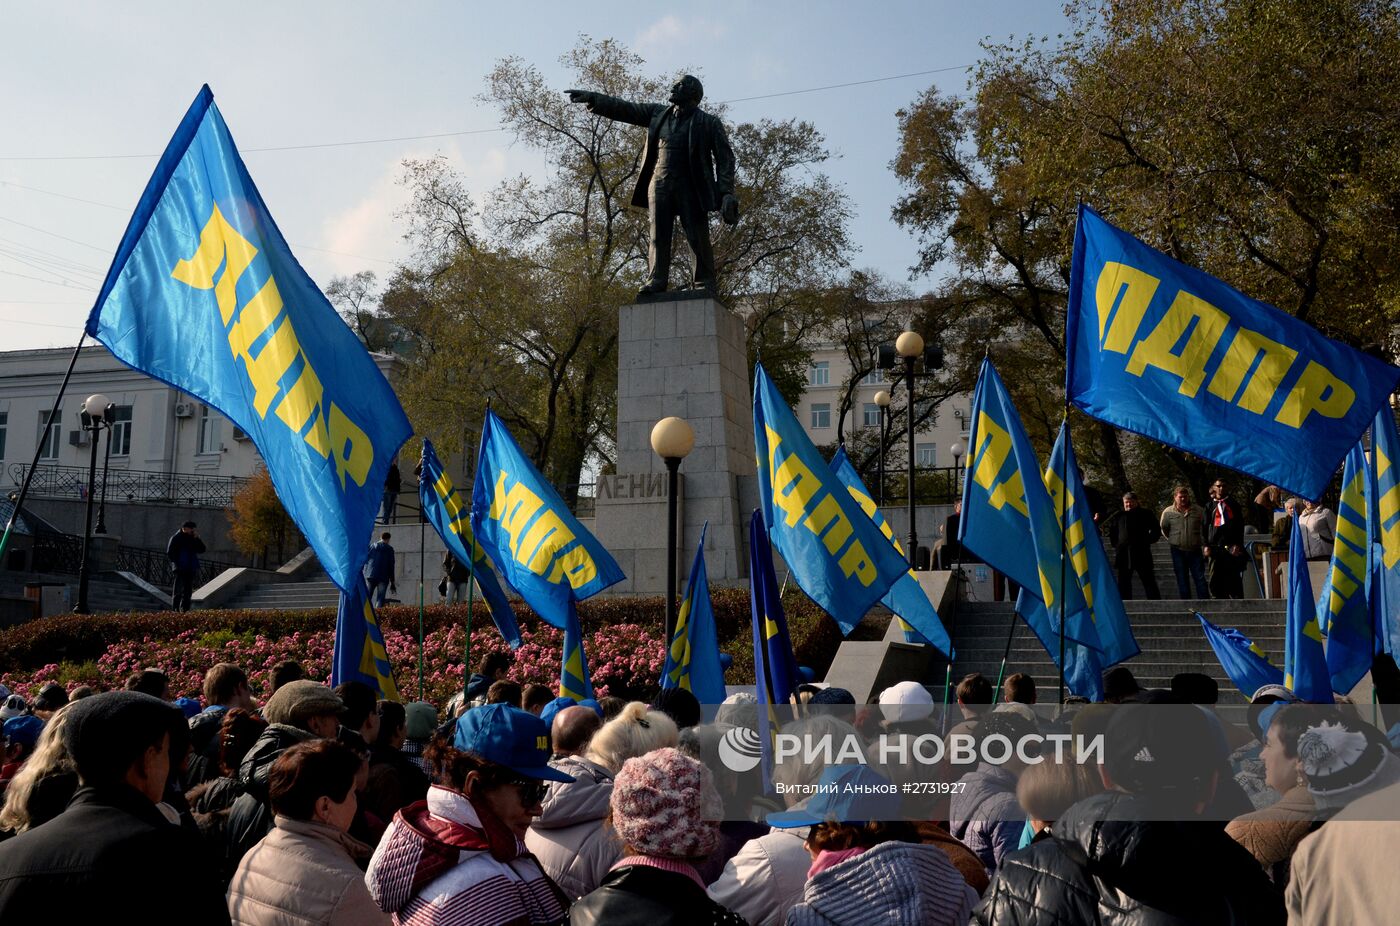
(77, 438)
(184, 409)
(240, 435)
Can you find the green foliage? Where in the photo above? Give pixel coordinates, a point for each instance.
(1259, 141)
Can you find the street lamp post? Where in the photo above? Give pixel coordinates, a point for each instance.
(101, 527)
(95, 411)
(671, 438)
(910, 345)
(957, 450)
(882, 401)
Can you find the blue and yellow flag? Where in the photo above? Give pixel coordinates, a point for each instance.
(692, 659)
(535, 541)
(360, 654)
(1087, 561)
(205, 295)
(450, 515)
(1383, 530)
(1343, 614)
(918, 619)
(772, 643)
(1008, 518)
(1165, 350)
(835, 552)
(1304, 662)
(1247, 665)
(574, 679)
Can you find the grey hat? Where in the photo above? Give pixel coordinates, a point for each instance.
(296, 702)
(106, 733)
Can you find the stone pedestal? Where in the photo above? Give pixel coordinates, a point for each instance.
(680, 355)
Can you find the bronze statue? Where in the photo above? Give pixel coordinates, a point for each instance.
(687, 173)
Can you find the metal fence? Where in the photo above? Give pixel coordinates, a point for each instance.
(62, 554)
(154, 567)
(130, 485)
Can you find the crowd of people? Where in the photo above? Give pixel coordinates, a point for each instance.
(511, 806)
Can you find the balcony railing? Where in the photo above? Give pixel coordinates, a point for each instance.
(129, 485)
(62, 554)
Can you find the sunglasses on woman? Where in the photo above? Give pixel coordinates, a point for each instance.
(532, 791)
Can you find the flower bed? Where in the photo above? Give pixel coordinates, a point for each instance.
(623, 638)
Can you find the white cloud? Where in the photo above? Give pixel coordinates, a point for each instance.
(671, 33)
(370, 227)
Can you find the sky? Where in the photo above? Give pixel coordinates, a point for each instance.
(93, 92)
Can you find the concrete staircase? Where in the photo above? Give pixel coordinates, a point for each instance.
(276, 596)
(1171, 639)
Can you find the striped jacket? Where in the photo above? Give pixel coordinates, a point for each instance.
(436, 866)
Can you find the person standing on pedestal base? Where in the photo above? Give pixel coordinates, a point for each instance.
(687, 173)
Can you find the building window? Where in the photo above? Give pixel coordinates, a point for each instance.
(926, 455)
(821, 415)
(121, 430)
(208, 430)
(4, 427)
(50, 441)
(874, 378)
(870, 415)
(819, 373)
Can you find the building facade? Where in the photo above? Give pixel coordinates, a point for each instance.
(819, 410)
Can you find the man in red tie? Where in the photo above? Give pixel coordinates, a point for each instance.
(1224, 547)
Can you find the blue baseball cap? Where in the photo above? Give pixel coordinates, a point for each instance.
(552, 709)
(24, 729)
(845, 794)
(508, 736)
(188, 706)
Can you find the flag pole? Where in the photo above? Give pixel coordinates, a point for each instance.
(467, 647)
(952, 628)
(1064, 542)
(1006, 654)
(39, 448)
(422, 543)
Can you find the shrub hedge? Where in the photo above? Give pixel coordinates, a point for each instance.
(77, 639)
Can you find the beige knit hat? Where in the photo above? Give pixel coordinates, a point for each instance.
(296, 702)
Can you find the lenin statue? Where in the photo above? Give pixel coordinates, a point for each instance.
(687, 173)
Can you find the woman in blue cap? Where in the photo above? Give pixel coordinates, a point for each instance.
(459, 856)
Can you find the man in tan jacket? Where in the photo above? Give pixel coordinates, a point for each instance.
(1183, 526)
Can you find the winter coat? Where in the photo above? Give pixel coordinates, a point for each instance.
(894, 884)
(380, 564)
(440, 863)
(986, 816)
(643, 894)
(111, 852)
(1271, 834)
(395, 781)
(1345, 872)
(303, 872)
(1318, 527)
(205, 744)
(1184, 530)
(1229, 533)
(766, 879)
(183, 551)
(250, 819)
(1102, 866)
(569, 838)
(964, 859)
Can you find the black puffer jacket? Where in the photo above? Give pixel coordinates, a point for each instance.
(637, 895)
(251, 817)
(1131, 869)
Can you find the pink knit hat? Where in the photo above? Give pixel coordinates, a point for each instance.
(664, 803)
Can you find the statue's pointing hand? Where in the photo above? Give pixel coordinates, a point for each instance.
(582, 96)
